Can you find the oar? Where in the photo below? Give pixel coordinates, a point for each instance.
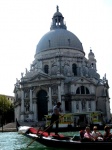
(44, 131)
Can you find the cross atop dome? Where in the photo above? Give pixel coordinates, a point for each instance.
(57, 7)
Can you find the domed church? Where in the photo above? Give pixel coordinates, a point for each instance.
(60, 72)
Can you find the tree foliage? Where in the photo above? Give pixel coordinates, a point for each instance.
(6, 110)
(4, 104)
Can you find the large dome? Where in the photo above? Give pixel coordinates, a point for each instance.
(58, 36)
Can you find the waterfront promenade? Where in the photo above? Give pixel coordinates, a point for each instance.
(11, 127)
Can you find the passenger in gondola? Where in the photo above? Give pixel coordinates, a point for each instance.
(88, 135)
(96, 134)
(107, 134)
(82, 132)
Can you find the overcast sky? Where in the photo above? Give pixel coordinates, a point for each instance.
(24, 22)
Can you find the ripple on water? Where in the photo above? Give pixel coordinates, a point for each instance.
(15, 141)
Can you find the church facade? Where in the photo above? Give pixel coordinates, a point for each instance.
(60, 72)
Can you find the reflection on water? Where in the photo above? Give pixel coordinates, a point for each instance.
(15, 141)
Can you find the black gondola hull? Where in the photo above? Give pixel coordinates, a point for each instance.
(70, 144)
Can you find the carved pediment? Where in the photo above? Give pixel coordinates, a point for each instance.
(39, 76)
(83, 80)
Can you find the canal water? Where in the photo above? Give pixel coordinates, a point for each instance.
(15, 141)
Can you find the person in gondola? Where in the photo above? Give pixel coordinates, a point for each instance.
(107, 135)
(88, 135)
(55, 117)
(82, 132)
(96, 134)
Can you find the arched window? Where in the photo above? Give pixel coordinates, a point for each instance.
(46, 69)
(82, 90)
(74, 69)
(87, 91)
(78, 90)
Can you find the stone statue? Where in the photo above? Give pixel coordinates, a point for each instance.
(83, 104)
(66, 69)
(21, 75)
(77, 106)
(26, 70)
(54, 70)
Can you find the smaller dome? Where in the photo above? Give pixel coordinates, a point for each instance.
(57, 13)
(91, 55)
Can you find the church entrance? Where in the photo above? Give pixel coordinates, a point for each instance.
(42, 104)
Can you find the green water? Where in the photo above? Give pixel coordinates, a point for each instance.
(15, 141)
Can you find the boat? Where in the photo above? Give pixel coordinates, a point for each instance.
(75, 121)
(61, 141)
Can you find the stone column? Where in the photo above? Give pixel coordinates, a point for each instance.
(22, 106)
(50, 99)
(108, 109)
(74, 107)
(35, 110)
(59, 93)
(87, 106)
(80, 106)
(62, 87)
(17, 112)
(49, 67)
(62, 93)
(93, 106)
(63, 106)
(30, 100)
(92, 90)
(31, 106)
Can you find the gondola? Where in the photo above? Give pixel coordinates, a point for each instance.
(61, 141)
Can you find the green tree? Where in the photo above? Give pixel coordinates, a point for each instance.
(9, 115)
(6, 109)
(4, 104)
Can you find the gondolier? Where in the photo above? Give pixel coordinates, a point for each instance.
(55, 117)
